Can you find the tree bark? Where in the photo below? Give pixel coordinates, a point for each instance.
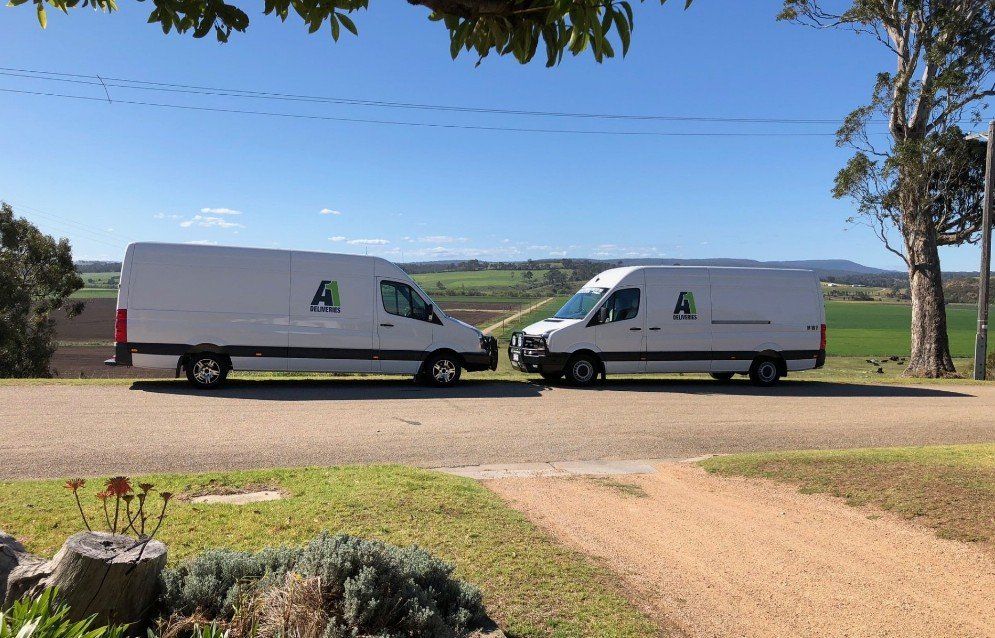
(112, 576)
(930, 355)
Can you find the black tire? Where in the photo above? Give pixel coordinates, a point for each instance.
(582, 370)
(207, 371)
(765, 372)
(722, 377)
(552, 377)
(442, 370)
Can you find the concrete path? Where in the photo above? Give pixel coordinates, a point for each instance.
(63, 430)
(729, 557)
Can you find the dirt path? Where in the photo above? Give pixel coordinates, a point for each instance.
(735, 557)
(489, 329)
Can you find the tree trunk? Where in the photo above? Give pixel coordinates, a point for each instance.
(112, 576)
(930, 347)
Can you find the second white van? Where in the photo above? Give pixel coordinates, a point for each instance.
(207, 310)
(724, 321)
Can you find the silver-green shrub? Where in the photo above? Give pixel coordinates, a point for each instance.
(369, 588)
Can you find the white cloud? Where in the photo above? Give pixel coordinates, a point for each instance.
(220, 211)
(329, 211)
(557, 253)
(208, 222)
(368, 242)
(165, 216)
(110, 230)
(441, 239)
(336, 238)
(202, 242)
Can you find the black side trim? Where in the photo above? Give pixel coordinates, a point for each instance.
(702, 355)
(125, 350)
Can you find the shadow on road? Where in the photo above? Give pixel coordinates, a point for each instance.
(371, 389)
(827, 389)
(344, 389)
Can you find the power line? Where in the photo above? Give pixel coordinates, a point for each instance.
(331, 118)
(145, 85)
(88, 232)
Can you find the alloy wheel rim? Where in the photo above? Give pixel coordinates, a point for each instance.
(583, 371)
(206, 371)
(444, 370)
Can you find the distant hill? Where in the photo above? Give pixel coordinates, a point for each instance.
(824, 268)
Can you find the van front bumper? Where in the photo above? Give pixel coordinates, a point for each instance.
(532, 356)
(485, 360)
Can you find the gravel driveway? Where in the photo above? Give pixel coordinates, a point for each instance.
(738, 557)
(60, 430)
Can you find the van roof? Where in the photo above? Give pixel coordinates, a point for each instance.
(613, 276)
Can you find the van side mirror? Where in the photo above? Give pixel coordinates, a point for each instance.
(430, 313)
(602, 315)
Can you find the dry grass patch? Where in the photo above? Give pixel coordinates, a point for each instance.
(950, 489)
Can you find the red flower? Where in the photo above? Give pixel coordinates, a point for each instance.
(119, 485)
(75, 484)
(145, 487)
(166, 496)
(103, 495)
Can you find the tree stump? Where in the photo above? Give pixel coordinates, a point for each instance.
(112, 576)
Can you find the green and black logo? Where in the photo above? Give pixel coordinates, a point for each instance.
(685, 308)
(326, 298)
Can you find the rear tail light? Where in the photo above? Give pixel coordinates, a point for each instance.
(822, 341)
(121, 326)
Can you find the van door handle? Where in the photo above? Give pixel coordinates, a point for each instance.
(635, 328)
(387, 325)
(655, 328)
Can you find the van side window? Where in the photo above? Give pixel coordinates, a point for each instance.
(622, 305)
(402, 300)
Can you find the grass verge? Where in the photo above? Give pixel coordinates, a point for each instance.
(950, 489)
(532, 585)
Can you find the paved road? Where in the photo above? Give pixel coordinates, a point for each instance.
(62, 430)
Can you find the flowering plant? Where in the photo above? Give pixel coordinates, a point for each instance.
(118, 490)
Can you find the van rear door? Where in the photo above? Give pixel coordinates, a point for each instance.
(678, 335)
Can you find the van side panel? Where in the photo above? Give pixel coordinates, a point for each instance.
(181, 296)
(678, 326)
(757, 310)
(331, 313)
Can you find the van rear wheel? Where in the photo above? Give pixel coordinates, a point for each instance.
(582, 370)
(206, 371)
(443, 370)
(765, 372)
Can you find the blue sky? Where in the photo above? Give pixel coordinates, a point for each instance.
(106, 174)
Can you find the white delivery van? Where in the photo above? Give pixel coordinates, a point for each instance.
(206, 310)
(652, 319)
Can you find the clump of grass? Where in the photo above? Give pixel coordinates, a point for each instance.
(626, 489)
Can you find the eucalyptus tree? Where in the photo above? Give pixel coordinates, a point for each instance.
(921, 187)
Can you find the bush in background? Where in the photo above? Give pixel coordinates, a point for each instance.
(37, 276)
(336, 586)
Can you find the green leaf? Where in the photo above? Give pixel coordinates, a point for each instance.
(42, 16)
(334, 24)
(348, 23)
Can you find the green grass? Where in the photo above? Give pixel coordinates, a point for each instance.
(867, 328)
(95, 293)
(532, 585)
(544, 311)
(950, 489)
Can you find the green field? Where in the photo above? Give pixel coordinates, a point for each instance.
(866, 328)
(486, 281)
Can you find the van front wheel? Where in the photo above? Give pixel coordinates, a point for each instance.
(443, 370)
(206, 371)
(765, 372)
(582, 370)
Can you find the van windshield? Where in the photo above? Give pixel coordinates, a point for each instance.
(581, 303)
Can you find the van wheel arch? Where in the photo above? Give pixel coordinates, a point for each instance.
(202, 348)
(425, 375)
(590, 353)
(457, 357)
